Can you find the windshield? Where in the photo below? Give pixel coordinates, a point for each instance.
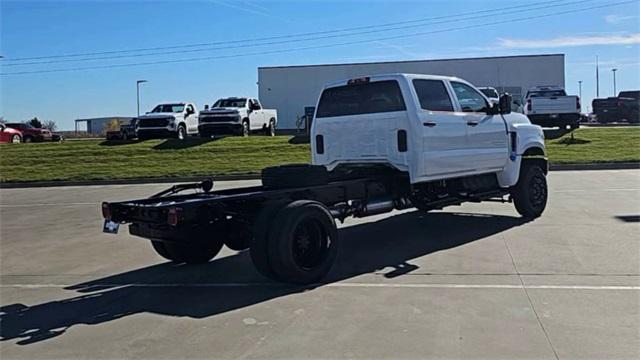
(547, 93)
(234, 103)
(168, 108)
(492, 93)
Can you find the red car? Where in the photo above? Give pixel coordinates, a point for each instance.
(9, 135)
(29, 133)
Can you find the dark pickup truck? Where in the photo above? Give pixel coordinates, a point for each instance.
(126, 132)
(623, 107)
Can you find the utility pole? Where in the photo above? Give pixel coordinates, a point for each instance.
(614, 81)
(580, 93)
(138, 93)
(597, 79)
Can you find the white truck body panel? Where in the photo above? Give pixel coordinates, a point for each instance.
(440, 144)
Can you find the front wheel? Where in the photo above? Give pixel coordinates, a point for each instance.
(16, 139)
(530, 193)
(182, 132)
(245, 128)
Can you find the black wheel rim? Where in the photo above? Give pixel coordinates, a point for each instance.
(310, 244)
(538, 191)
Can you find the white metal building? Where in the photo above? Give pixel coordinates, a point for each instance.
(290, 89)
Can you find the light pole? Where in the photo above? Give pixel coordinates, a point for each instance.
(580, 93)
(138, 93)
(614, 80)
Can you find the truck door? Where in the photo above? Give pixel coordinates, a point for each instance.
(443, 131)
(256, 118)
(487, 146)
(191, 119)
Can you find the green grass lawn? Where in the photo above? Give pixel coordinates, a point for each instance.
(591, 145)
(98, 159)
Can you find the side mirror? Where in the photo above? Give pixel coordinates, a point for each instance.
(206, 107)
(504, 104)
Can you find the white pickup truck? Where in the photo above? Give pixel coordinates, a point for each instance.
(168, 120)
(550, 106)
(378, 143)
(237, 115)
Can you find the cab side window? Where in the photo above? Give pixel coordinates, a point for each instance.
(432, 95)
(470, 100)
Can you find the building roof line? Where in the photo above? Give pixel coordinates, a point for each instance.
(406, 61)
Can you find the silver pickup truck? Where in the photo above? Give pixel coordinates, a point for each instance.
(237, 115)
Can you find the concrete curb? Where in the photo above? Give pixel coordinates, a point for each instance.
(596, 166)
(36, 184)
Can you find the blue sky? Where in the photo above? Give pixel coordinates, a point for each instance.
(43, 28)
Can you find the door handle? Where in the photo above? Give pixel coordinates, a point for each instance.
(472, 123)
(429, 124)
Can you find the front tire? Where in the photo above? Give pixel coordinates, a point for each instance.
(182, 132)
(530, 193)
(245, 128)
(16, 139)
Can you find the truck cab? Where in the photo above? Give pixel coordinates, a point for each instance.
(177, 119)
(237, 115)
(431, 127)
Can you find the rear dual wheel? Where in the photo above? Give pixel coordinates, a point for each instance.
(301, 248)
(194, 246)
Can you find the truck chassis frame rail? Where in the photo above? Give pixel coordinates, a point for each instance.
(290, 232)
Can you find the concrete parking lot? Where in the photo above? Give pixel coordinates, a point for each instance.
(474, 281)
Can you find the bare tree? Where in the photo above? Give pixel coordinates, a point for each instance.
(49, 125)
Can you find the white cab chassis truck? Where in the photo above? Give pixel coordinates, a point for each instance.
(379, 144)
(237, 115)
(166, 120)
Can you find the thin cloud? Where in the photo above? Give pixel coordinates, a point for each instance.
(617, 19)
(569, 41)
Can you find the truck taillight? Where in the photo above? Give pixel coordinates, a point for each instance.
(106, 211)
(528, 104)
(173, 216)
(578, 103)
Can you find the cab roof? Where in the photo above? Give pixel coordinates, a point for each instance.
(393, 76)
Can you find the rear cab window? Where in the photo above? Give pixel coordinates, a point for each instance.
(433, 95)
(361, 98)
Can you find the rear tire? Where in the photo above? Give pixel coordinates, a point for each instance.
(28, 139)
(191, 247)
(16, 139)
(270, 130)
(259, 249)
(304, 245)
(530, 193)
